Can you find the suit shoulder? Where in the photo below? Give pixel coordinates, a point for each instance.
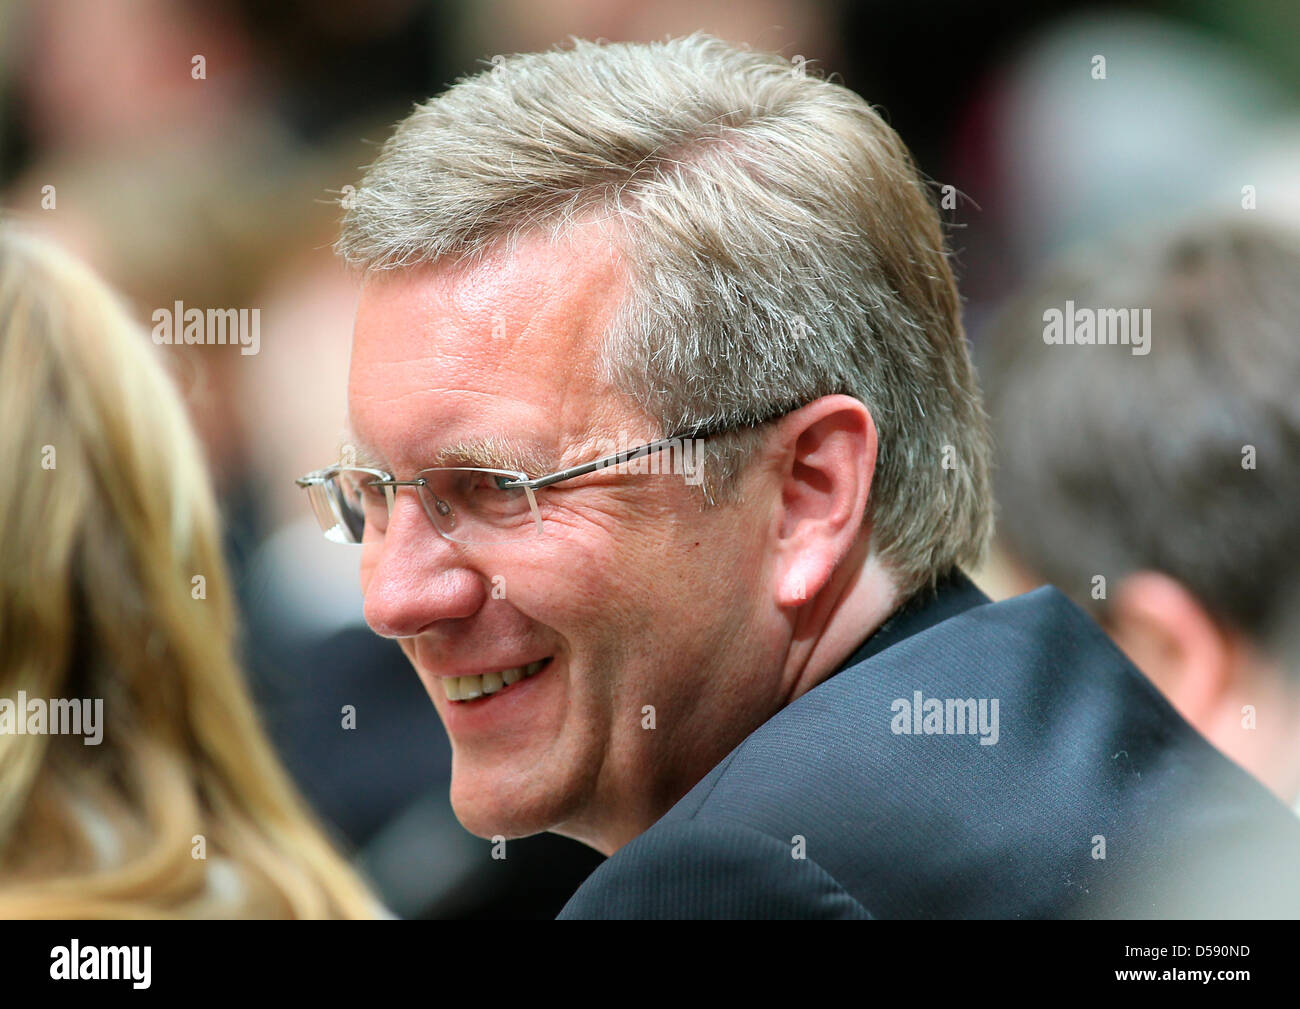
(709, 870)
(1029, 735)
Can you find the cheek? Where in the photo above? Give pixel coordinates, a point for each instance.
(588, 578)
(708, 586)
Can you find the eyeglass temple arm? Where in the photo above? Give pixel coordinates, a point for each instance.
(704, 431)
(590, 467)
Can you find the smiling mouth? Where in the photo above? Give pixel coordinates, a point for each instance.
(470, 688)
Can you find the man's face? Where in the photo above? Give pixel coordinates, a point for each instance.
(649, 610)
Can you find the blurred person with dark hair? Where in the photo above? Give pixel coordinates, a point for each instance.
(1159, 489)
(116, 622)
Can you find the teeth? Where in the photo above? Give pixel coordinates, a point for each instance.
(467, 688)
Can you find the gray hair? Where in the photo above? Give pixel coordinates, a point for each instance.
(781, 245)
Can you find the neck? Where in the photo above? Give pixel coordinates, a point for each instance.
(860, 597)
(1267, 749)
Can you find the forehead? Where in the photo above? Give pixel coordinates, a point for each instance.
(507, 346)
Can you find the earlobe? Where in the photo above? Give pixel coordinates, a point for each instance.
(792, 591)
(827, 463)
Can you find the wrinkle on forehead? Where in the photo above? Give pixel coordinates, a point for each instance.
(551, 299)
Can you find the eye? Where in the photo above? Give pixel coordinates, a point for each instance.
(372, 500)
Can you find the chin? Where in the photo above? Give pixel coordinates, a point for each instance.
(499, 804)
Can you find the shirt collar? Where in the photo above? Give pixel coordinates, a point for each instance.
(953, 594)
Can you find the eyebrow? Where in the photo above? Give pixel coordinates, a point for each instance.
(492, 452)
(495, 453)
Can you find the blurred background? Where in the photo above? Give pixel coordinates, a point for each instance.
(197, 151)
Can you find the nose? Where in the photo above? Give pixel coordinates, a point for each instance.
(419, 578)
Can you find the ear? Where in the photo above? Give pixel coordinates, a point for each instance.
(826, 454)
(1171, 637)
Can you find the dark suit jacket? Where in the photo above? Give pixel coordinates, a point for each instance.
(1090, 761)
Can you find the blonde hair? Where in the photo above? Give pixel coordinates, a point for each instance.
(109, 517)
(781, 246)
